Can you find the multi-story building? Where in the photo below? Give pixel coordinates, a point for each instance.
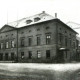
(39, 38)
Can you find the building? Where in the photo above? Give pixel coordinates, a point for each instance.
(39, 38)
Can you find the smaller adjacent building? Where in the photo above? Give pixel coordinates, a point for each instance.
(39, 38)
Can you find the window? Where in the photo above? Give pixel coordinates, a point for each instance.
(65, 32)
(6, 35)
(38, 40)
(30, 41)
(38, 29)
(66, 54)
(38, 54)
(22, 55)
(47, 27)
(74, 45)
(47, 53)
(7, 44)
(6, 56)
(22, 32)
(12, 44)
(22, 42)
(29, 30)
(48, 39)
(36, 19)
(30, 54)
(12, 56)
(60, 28)
(1, 45)
(1, 56)
(28, 21)
(11, 34)
(65, 40)
(77, 42)
(70, 41)
(60, 37)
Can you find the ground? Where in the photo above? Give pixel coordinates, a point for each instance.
(33, 71)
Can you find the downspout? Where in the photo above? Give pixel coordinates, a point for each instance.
(17, 46)
(56, 40)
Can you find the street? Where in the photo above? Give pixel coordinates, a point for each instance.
(33, 71)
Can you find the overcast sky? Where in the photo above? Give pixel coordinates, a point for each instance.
(67, 10)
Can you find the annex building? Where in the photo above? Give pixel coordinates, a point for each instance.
(39, 38)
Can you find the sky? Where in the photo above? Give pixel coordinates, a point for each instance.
(12, 10)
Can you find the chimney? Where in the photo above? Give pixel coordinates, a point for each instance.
(55, 15)
(43, 11)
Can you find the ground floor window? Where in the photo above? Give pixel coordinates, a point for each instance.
(22, 55)
(6, 56)
(47, 53)
(12, 56)
(30, 54)
(38, 54)
(1, 56)
(66, 54)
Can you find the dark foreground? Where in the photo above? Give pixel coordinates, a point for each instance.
(27, 71)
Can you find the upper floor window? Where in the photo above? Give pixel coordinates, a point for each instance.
(70, 41)
(6, 35)
(30, 41)
(22, 42)
(60, 28)
(7, 44)
(38, 54)
(70, 35)
(65, 31)
(74, 45)
(65, 40)
(11, 34)
(22, 32)
(47, 27)
(60, 37)
(38, 29)
(77, 43)
(29, 30)
(1, 45)
(38, 40)
(36, 19)
(48, 39)
(12, 44)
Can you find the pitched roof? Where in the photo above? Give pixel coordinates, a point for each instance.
(32, 20)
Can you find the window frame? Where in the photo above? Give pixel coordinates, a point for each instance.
(29, 41)
(12, 44)
(22, 55)
(38, 54)
(48, 39)
(30, 54)
(48, 54)
(7, 44)
(22, 41)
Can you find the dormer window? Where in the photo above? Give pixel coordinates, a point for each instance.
(28, 21)
(36, 19)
